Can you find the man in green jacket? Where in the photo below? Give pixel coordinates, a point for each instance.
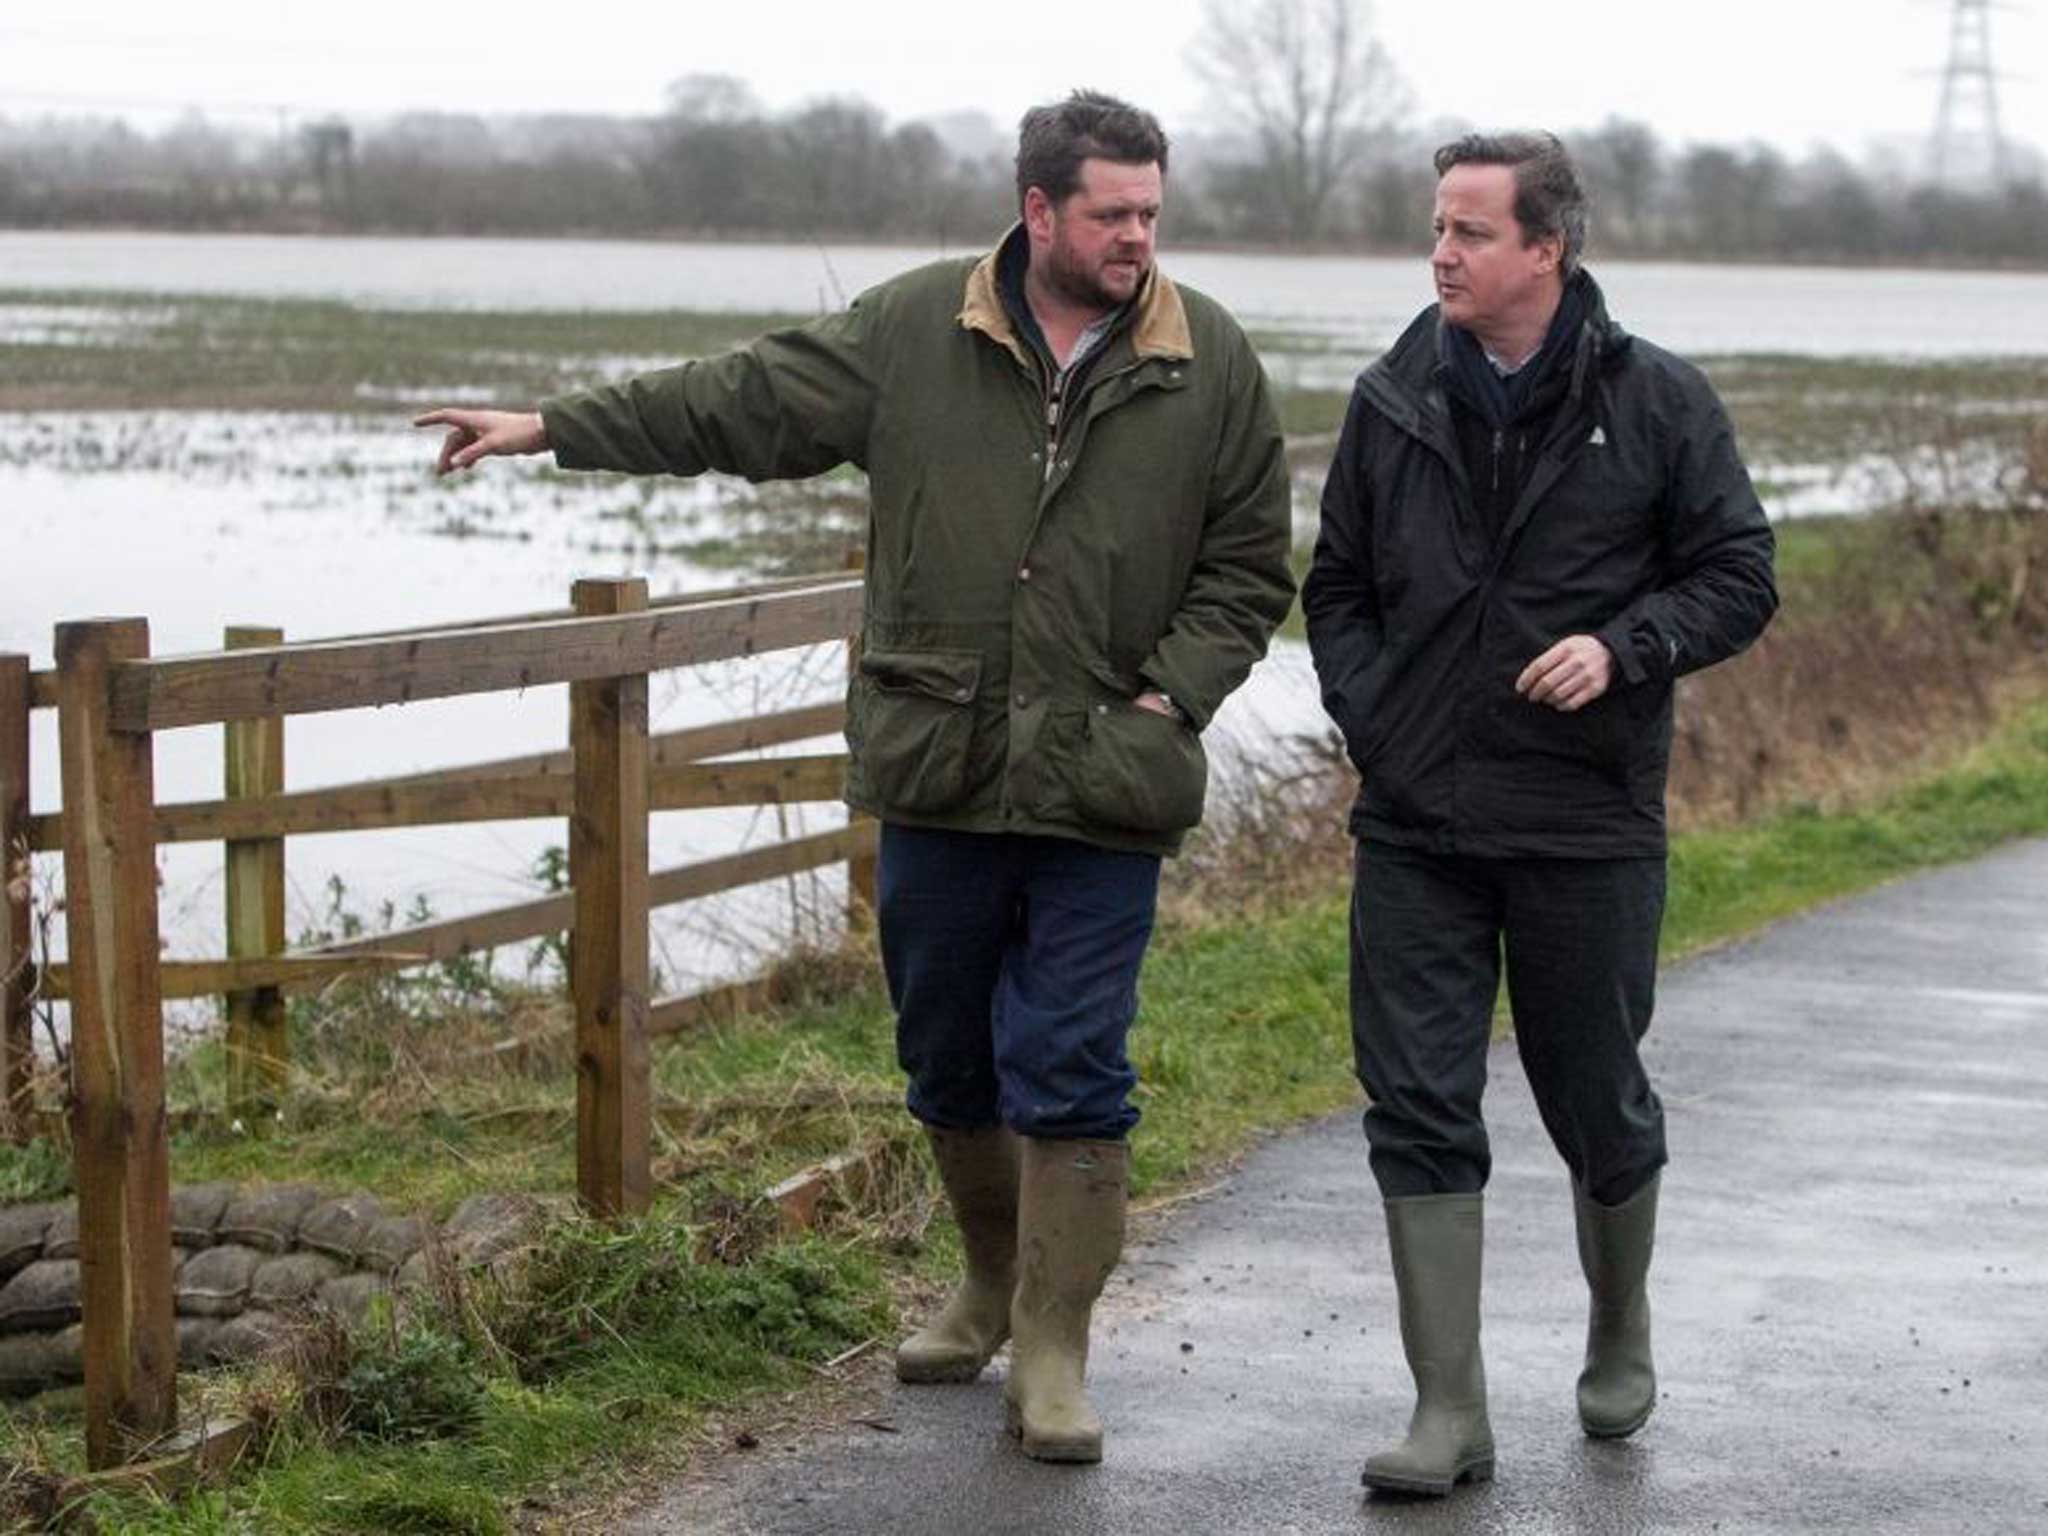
(1077, 547)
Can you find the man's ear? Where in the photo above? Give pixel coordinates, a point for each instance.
(1038, 214)
(1552, 247)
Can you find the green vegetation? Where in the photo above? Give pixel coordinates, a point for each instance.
(1834, 411)
(129, 350)
(1731, 881)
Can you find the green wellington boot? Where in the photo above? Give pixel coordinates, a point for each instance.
(1618, 1387)
(979, 1170)
(1436, 1244)
(1070, 1222)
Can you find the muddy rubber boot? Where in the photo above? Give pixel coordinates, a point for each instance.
(1071, 1231)
(1618, 1388)
(979, 1171)
(1436, 1242)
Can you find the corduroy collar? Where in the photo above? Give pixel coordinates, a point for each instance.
(1159, 326)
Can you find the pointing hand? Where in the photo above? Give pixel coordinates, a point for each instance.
(474, 435)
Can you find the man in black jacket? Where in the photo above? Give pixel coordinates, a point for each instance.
(1534, 524)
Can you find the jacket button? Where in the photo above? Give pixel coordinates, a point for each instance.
(1022, 701)
(1024, 573)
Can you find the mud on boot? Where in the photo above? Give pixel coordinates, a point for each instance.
(1071, 1232)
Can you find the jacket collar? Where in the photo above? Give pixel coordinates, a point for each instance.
(1159, 321)
(1410, 370)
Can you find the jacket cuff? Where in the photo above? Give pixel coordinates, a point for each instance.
(1620, 643)
(558, 421)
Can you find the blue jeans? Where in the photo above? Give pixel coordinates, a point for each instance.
(1013, 968)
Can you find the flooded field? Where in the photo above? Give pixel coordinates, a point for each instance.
(211, 431)
(325, 523)
(1361, 301)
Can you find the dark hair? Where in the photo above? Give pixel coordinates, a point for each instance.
(1548, 197)
(1053, 140)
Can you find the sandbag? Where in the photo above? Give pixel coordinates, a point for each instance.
(487, 1227)
(196, 1336)
(341, 1226)
(67, 1353)
(61, 1241)
(196, 1212)
(350, 1297)
(27, 1365)
(22, 1230)
(42, 1297)
(216, 1283)
(291, 1280)
(267, 1216)
(252, 1335)
(391, 1242)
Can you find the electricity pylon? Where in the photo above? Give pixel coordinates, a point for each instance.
(1969, 146)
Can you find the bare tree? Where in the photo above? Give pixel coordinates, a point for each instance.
(1309, 83)
(722, 99)
(1624, 165)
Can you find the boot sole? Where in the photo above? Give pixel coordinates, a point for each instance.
(1070, 1452)
(1616, 1431)
(945, 1370)
(1394, 1482)
(939, 1373)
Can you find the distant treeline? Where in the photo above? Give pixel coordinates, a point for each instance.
(717, 165)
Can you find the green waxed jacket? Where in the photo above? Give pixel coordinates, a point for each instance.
(1024, 581)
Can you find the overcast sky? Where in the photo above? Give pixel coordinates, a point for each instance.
(1793, 72)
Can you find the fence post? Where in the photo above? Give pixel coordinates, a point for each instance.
(608, 947)
(257, 1052)
(860, 867)
(118, 1130)
(17, 1038)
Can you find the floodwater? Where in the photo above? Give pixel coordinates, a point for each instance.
(1362, 301)
(327, 525)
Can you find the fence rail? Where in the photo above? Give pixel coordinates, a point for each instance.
(111, 695)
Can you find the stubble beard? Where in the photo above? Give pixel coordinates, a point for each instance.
(1078, 285)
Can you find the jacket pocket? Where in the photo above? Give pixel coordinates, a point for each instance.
(912, 727)
(1356, 709)
(1139, 770)
(1597, 739)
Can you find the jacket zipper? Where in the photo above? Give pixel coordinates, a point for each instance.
(1052, 423)
(1499, 437)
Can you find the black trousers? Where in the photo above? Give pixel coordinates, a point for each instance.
(1579, 937)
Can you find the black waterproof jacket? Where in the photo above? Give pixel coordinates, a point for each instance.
(1637, 524)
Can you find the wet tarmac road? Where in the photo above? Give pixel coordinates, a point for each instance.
(1851, 1290)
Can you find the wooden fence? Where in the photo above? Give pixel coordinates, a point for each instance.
(111, 695)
